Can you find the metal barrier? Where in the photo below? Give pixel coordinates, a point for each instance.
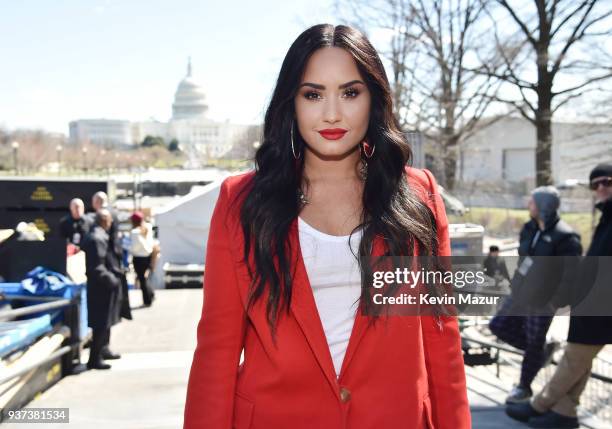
(54, 303)
(72, 350)
(58, 353)
(597, 396)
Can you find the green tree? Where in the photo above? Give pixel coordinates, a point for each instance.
(151, 141)
(173, 146)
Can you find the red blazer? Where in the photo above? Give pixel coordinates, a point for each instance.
(407, 373)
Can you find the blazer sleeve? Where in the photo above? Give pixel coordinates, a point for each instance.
(220, 332)
(442, 345)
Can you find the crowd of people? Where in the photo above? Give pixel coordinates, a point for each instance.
(526, 315)
(106, 264)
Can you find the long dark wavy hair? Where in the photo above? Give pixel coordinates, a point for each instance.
(270, 203)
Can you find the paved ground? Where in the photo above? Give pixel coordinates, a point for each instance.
(145, 389)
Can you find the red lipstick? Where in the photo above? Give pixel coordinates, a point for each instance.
(333, 133)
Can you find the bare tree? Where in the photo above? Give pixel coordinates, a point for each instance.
(434, 50)
(36, 147)
(555, 53)
(38, 151)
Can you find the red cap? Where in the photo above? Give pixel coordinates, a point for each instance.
(137, 217)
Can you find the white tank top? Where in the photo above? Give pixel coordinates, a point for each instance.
(335, 279)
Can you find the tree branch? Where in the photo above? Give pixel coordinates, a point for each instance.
(517, 106)
(575, 36)
(569, 16)
(582, 85)
(520, 23)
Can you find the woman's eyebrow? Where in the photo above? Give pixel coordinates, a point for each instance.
(318, 86)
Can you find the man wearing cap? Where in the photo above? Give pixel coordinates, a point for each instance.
(556, 404)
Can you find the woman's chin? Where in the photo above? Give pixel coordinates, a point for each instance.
(333, 151)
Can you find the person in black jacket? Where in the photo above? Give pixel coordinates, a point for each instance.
(74, 226)
(555, 406)
(526, 315)
(103, 287)
(99, 200)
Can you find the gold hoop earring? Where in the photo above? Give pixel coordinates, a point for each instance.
(292, 145)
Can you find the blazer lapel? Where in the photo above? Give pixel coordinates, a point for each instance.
(304, 309)
(361, 321)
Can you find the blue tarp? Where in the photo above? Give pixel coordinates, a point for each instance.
(46, 283)
(43, 282)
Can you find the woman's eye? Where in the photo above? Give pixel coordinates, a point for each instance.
(352, 92)
(311, 95)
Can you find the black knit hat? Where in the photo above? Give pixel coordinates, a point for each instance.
(601, 170)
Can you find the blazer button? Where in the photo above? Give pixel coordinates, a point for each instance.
(345, 395)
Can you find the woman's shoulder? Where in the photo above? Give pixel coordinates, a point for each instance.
(236, 182)
(422, 181)
(231, 192)
(424, 184)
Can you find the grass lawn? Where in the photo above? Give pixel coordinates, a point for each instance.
(508, 222)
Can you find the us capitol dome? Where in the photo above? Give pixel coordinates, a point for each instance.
(199, 136)
(189, 99)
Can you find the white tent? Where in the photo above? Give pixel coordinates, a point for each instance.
(183, 228)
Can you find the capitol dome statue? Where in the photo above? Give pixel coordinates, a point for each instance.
(189, 99)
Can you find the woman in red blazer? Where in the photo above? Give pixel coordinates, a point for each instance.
(333, 154)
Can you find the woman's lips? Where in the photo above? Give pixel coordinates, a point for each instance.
(333, 134)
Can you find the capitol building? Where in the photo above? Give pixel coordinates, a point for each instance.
(197, 135)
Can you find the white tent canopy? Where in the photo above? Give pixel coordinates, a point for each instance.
(183, 228)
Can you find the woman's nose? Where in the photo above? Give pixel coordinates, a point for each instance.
(332, 112)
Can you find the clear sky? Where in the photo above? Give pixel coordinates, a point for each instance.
(123, 59)
(62, 60)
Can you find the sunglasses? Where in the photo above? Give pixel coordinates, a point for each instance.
(606, 181)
